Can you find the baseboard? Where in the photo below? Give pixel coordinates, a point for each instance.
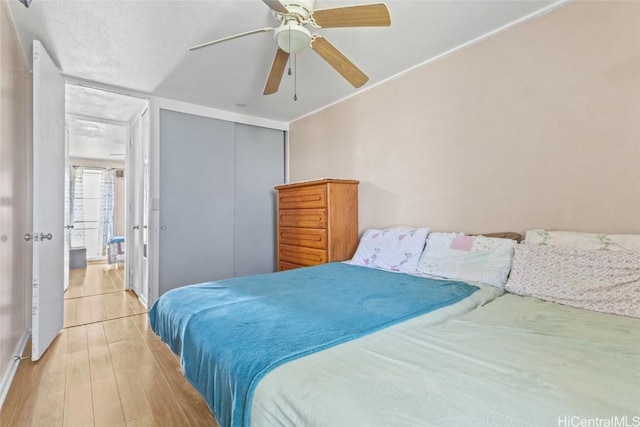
(7, 378)
(143, 301)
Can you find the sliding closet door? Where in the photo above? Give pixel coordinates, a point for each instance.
(259, 165)
(196, 199)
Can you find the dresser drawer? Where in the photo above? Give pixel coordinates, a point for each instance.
(284, 266)
(308, 237)
(302, 198)
(301, 255)
(309, 218)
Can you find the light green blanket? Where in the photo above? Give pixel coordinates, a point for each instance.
(514, 362)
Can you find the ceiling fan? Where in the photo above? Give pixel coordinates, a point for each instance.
(293, 37)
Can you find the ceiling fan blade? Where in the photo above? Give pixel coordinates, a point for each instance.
(276, 5)
(364, 15)
(277, 70)
(235, 36)
(337, 60)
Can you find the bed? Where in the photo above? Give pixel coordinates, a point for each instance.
(231, 333)
(435, 346)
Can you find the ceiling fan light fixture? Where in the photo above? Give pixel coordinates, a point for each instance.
(292, 37)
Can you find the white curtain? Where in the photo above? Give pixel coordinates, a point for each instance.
(76, 193)
(107, 187)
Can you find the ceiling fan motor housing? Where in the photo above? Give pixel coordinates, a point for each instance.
(301, 8)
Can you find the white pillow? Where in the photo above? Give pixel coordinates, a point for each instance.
(587, 241)
(395, 249)
(471, 258)
(607, 281)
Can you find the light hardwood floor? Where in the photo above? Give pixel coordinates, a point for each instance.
(97, 278)
(112, 372)
(96, 294)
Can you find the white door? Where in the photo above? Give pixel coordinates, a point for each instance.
(67, 210)
(144, 280)
(134, 214)
(48, 201)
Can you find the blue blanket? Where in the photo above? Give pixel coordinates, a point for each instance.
(231, 333)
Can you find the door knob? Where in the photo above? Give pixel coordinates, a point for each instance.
(135, 227)
(68, 227)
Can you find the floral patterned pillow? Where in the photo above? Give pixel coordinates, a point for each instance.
(606, 281)
(579, 240)
(395, 249)
(471, 258)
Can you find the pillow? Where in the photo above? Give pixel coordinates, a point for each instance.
(502, 235)
(589, 241)
(606, 281)
(395, 249)
(472, 258)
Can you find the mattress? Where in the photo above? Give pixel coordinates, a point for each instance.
(516, 361)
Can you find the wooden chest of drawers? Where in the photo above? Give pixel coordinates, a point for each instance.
(317, 222)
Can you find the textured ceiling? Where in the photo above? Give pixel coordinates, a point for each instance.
(108, 132)
(87, 102)
(98, 122)
(143, 46)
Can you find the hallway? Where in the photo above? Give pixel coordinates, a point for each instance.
(96, 294)
(105, 368)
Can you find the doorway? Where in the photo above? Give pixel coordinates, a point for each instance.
(104, 202)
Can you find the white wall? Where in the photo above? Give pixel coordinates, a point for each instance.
(537, 126)
(15, 169)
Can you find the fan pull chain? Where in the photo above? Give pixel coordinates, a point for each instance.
(289, 70)
(295, 77)
(295, 69)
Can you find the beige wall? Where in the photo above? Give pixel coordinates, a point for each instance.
(538, 126)
(15, 160)
(119, 200)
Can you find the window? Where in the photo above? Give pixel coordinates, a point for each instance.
(91, 192)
